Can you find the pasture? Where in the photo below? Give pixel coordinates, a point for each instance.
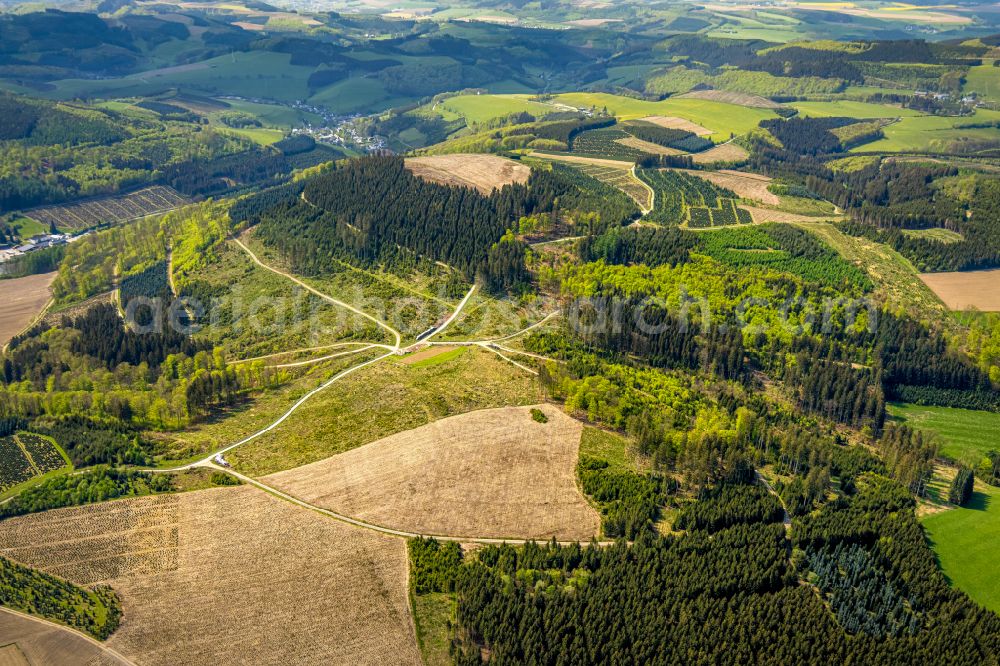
(383, 399)
(964, 539)
(193, 570)
(483, 108)
(21, 301)
(985, 80)
(723, 119)
(962, 290)
(25, 641)
(850, 109)
(482, 172)
(965, 435)
(935, 133)
(489, 473)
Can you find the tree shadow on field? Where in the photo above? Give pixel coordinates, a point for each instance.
(979, 501)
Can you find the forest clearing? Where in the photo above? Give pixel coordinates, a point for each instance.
(747, 185)
(197, 565)
(483, 172)
(21, 300)
(962, 290)
(672, 122)
(494, 473)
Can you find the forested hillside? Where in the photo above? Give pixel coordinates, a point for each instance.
(676, 324)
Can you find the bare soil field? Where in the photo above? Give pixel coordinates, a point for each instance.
(578, 159)
(726, 152)
(648, 146)
(966, 289)
(761, 215)
(491, 473)
(672, 122)
(230, 575)
(483, 172)
(21, 299)
(747, 185)
(28, 641)
(730, 97)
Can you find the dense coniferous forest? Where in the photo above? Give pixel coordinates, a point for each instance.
(726, 591)
(374, 210)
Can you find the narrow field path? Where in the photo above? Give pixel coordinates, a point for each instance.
(453, 316)
(281, 419)
(652, 193)
(371, 526)
(110, 652)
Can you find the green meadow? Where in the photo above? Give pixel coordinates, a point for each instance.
(934, 133)
(723, 119)
(965, 540)
(965, 435)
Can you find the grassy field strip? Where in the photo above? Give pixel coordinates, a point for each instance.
(299, 364)
(894, 274)
(114, 654)
(966, 435)
(297, 351)
(381, 324)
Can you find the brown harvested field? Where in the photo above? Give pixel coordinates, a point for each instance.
(21, 299)
(648, 146)
(578, 159)
(761, 215)
(230, 575)
(730, 97)
(483, 172)
(491, 473)
(726, 152)
(27, 641)
(746, 185)
(966, 289)
(672, 122)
